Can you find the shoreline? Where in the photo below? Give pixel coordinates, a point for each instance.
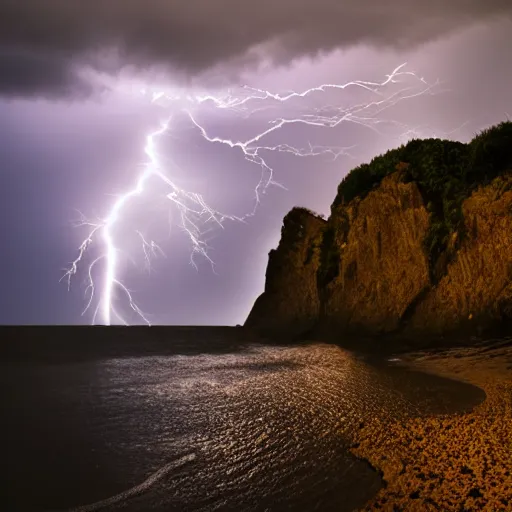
(448, 461)
(406, 455)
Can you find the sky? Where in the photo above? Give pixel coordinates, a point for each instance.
(78, 84)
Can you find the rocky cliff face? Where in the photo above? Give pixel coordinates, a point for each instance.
(397, 258)
(382, 266)
(476, 291)
(290, 303)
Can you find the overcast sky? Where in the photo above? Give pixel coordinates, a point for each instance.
(73, 123)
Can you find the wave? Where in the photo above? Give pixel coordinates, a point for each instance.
(138, 489)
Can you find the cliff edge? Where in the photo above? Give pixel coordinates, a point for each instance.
(290, 304)
(419, 242)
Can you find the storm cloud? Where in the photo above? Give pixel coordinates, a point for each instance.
(44, 43)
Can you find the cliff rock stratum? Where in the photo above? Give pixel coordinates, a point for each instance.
(418, 242)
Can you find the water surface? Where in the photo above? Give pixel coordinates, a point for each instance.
(191, 419)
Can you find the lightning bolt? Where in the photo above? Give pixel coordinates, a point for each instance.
(194, 212)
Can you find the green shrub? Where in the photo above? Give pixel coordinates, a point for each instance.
(491, 153)
(362, 179)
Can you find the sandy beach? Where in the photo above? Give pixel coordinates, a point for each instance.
(450, 462)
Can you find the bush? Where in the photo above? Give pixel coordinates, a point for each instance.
(491, 153)
(362, 179)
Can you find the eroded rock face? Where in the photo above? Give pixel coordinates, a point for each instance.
(476, 292)
(289, 305)
(383, 267)
(366, 269)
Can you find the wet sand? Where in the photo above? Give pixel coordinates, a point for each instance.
(460, 462)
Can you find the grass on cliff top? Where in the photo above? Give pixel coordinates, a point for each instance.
(439, 166)
(446, 172)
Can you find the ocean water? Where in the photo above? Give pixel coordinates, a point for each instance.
(194, 419)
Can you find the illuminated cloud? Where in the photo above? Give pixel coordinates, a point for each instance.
(42, 42)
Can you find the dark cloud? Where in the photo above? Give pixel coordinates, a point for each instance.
(24, 73)
(42, 41)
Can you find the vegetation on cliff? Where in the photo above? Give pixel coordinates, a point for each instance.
(446, 173)
(438, 165)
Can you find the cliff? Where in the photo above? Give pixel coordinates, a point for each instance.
(290, 304)
(419, 242)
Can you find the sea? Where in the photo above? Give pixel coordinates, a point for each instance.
(195, 419)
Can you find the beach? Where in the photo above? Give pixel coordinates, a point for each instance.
(460, 462)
